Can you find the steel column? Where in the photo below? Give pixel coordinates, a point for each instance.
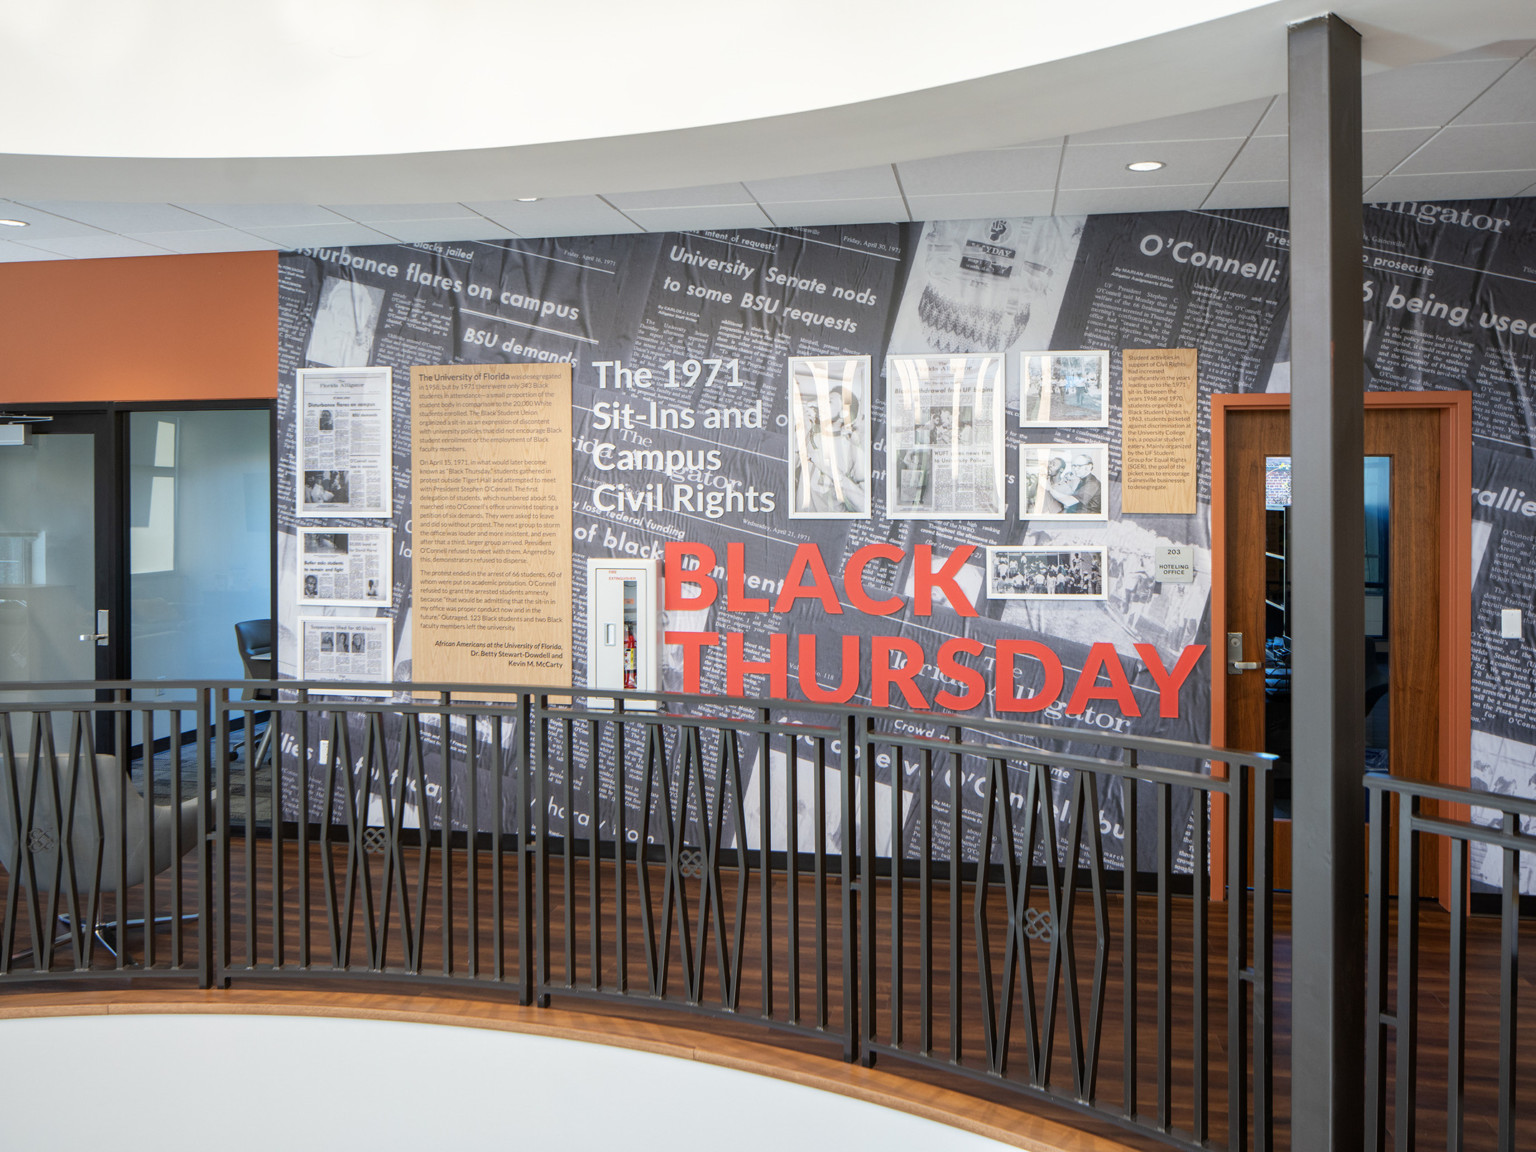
(1327, 448)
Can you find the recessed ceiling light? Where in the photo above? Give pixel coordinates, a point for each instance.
(1145, 166)
(14, 223)
(526, 199)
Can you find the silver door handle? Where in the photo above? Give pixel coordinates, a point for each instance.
(1235, 661)
(103, 631)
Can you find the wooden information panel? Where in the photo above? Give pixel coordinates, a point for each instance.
(491, 524)
(1158, 430)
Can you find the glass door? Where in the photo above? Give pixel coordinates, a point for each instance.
(58, 620)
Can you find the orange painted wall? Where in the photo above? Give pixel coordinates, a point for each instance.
(139, 328)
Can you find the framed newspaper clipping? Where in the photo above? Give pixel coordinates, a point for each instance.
(348, 567)
(829, 437)
(945, 436)
(348, 648)
(345, 443)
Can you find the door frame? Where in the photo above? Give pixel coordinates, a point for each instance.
(96, 421)
(1455, 752)
(112, 494)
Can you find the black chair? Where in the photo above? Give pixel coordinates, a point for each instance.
(254, 640)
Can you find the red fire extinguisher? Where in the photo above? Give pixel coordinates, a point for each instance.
(631, 657)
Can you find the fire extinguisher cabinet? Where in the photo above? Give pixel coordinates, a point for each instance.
(623, 625)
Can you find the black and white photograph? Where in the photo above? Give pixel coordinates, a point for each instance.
(327, 487)
(829, 438)
(988, 285)
(1064, 389)
(1045, 573)
(326, 543)
(945, 438)
(1063, 482)
(345, 322)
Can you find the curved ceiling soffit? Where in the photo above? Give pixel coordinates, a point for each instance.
(1222, 61)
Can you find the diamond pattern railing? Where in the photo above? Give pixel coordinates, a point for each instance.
(979, 896)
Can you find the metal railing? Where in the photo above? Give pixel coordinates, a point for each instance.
(1406, 818)
(1021, 904)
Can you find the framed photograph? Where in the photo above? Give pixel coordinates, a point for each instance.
(1049, 572)
(944, 443)
(1064, 389)
(1063, 482)
(350, 567)
(829, 437)
(345, 443)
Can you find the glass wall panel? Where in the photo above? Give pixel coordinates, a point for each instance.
(199, 539)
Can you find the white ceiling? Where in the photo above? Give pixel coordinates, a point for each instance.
(319, 78)
(1457, 127)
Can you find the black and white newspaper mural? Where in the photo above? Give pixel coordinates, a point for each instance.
(686, 447)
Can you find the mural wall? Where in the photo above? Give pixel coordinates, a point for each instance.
(682, 423)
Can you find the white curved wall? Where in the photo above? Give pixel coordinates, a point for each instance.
(259, 1083)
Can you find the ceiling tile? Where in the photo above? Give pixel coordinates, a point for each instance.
(1451, 186)
(1266, 159)
(981, 205)
(1425, 95)
(124, 217)
(557, 216)
(1510, 101)
(1210, 124)
(472, 227)
(40, 224)
(1263, 158)
(1475, 148)
(1419, 96)
(1099, 166)
(207, 240)
(103, 245)
(377, 213)
(695, 219)
(969, 173)
(265, 215)
(342, 232)
(850, 184)
(16, 253)
(1052, 142)
(1384, 149)
(1274, 122)
(705, 196)
(875, 210)
(1502, 50)
(1163, 198)
(1249, 194)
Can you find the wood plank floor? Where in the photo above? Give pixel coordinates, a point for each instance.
(739, 990)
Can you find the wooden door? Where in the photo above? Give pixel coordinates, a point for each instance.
(1404, 648)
